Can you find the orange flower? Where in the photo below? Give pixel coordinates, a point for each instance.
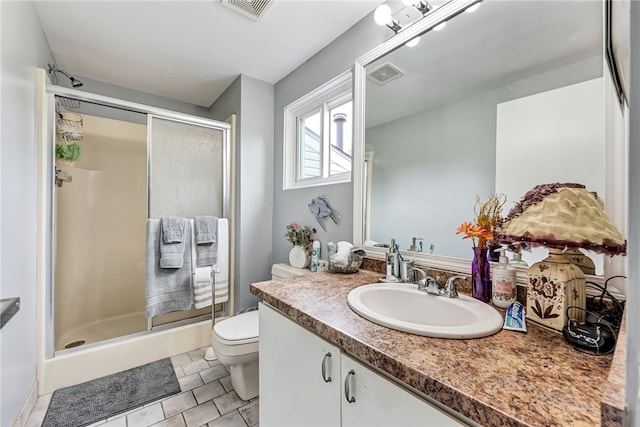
(465, 227)
(487, 216)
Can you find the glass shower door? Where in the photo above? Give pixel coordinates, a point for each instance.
(187, 170)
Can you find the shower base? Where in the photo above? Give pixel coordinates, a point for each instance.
(102, 330)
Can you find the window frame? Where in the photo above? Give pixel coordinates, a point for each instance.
(338, 89)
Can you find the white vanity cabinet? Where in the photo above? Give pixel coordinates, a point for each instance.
(376, 401)
(295, 391)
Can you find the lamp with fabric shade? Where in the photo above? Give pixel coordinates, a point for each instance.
(558, 217)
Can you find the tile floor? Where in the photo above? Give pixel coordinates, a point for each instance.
(207, 399)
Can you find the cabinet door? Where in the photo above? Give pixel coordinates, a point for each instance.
(376, 401)
(293, 391)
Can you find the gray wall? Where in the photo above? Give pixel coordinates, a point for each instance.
(252, 101)
(446, 153)
(24, 48)
(633, 288)
(119, 92)
(291, 205)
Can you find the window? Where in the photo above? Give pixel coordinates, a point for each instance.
(318, 135)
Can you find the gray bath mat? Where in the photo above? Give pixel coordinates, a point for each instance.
(95, 400)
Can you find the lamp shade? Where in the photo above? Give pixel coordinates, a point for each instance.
(562, 216)
(559, 216)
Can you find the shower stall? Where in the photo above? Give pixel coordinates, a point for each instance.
(135, 162)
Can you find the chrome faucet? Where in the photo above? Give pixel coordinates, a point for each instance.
(449, 290)
(427, 283)
(430, 285)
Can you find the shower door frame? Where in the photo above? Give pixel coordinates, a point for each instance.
(227, 210)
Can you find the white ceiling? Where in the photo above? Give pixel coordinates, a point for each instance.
(190, 50)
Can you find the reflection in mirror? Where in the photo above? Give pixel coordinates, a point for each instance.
(502, 99)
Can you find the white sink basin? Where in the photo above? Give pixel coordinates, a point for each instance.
(403, 307)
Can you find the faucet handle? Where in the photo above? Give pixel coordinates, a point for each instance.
(422, 281)
(427, 283)
(449, 290)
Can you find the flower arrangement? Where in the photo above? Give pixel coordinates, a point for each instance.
(299, 235)
(488, 215)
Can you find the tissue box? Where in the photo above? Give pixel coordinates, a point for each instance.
(350, 266)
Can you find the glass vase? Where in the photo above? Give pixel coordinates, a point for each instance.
(492, 255)
(480, 275)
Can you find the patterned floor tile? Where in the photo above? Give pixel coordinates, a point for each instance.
(228, 402)
(250, 413)
(201, 414)
(232, 419)
(178, 403)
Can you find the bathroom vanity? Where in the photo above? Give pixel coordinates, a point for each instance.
(509, 378)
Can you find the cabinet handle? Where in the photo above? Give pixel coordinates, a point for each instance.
(324, 368)
(350, 399)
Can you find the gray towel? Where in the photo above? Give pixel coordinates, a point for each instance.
(166, 290)
(206, 229)
(173, 229)
(206, 254)
(172, 243)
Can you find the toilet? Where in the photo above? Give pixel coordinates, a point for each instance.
(235, 342)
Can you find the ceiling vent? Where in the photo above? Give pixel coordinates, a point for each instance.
(384, 73)
(253, 9)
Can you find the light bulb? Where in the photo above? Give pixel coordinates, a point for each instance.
(382, 15)
(473, 8)
(439, 26)
(413, 42)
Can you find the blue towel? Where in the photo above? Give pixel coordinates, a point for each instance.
(172, 244)
(173, 229)
(166, 290)
(206, 229)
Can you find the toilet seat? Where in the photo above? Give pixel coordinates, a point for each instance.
(237, 330)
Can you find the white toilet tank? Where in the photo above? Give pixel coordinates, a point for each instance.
(281, 271)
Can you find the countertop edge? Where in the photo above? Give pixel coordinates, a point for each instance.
(613, 406)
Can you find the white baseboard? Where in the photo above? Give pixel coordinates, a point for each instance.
(23, 415)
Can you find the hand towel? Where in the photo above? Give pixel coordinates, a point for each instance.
(173, 229)
(202, 292)
(166, 290)
(172, 244)
(206, 253)
(222, 271)
(202, 283)
(206, 229)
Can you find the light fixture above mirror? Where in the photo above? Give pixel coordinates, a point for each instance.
(407, 15)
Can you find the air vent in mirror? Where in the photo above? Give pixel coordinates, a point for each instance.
(385, 73)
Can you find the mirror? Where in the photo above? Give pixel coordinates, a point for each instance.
(498, 101)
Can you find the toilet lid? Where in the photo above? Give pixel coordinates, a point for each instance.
(241, 327)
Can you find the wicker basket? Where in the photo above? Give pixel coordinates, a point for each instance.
(353, 264)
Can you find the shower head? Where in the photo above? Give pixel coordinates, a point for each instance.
(54, 69)
(75, 82)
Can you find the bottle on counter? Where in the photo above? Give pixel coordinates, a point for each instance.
(504, 281)
(517, 261)
(315, 255)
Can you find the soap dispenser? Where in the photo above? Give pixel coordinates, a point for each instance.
(414, 244)
(392, 260)
(504, 281)
(517, 260)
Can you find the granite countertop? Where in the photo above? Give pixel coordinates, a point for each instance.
(510, 378)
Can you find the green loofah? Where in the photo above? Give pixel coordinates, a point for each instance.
(68, 152)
